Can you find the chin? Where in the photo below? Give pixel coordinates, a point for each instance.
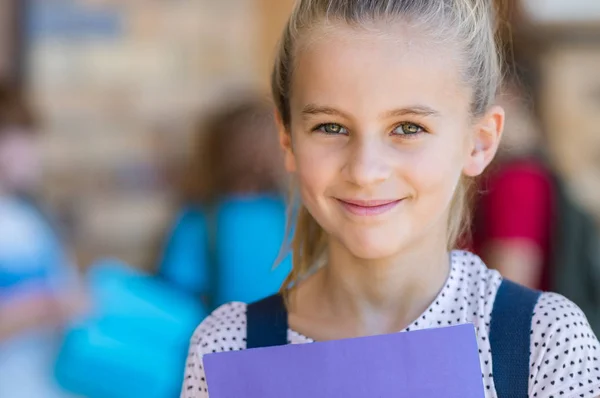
(368, 249)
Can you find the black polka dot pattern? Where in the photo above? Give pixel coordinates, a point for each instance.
(223, 330)
(563, 356)
(564, 351)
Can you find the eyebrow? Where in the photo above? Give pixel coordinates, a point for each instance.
(415, 110)
(312, 109)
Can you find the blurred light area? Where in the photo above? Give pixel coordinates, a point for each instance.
(561, 11)
(73, 19)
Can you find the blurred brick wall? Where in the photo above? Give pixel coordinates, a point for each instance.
(118, 84)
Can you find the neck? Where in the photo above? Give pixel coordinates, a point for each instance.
(384, 295)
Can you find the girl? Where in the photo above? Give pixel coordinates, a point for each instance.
(385, 113)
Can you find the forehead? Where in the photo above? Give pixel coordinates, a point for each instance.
(377, 68)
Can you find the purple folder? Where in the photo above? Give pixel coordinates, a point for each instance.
(432, 363)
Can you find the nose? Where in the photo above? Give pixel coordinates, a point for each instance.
(366, 164)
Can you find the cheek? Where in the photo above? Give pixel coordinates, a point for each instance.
(434, 172)
(317, 171)
(317, 165)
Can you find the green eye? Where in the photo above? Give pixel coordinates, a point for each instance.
(332, 128)
(408, 129)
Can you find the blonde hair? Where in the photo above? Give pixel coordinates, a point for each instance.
(469, 24)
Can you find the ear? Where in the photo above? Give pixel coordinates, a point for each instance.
(485, 141)
(285, 140)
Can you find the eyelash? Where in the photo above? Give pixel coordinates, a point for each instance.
(321, 129)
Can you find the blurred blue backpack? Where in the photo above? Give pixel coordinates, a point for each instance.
(228, 253)
(135, 341)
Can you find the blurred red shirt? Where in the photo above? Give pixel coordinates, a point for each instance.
(515, 201)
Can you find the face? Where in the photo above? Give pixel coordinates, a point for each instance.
(19, 161)
(380, 134)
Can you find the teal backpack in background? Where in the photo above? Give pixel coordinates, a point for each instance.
(135, 340)
(228, 251)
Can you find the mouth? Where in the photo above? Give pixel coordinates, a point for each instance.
(368, 207)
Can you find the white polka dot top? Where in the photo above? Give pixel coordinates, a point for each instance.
(564, 351)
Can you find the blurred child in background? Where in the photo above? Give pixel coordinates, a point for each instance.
(36, 278)
(236, 175)
(236, 153)
(515, 218)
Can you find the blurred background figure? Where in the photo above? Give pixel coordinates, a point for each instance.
(228, 234)
(528, 223)
(536, 208)
(222, 246)
(37, 280)
(514, 217)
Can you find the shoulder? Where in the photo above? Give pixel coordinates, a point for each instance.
(188, 226)
(22, 231)
(14, 215)
(556, 317)
(189, 217)
(564, 350)
(471, 290)
(474, 275)
(223, 330)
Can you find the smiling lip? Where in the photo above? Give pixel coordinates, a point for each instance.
(368, 207)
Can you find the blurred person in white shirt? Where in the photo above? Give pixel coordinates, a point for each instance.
(38, 291)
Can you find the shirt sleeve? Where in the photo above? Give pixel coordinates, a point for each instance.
(518, 205)
(194, 382)
(564, 351)
(224, 330)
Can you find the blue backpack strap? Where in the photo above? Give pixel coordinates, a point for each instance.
(211, 216)
(510, 331)
(267, 323)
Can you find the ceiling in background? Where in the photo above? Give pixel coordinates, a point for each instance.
(558, 11)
